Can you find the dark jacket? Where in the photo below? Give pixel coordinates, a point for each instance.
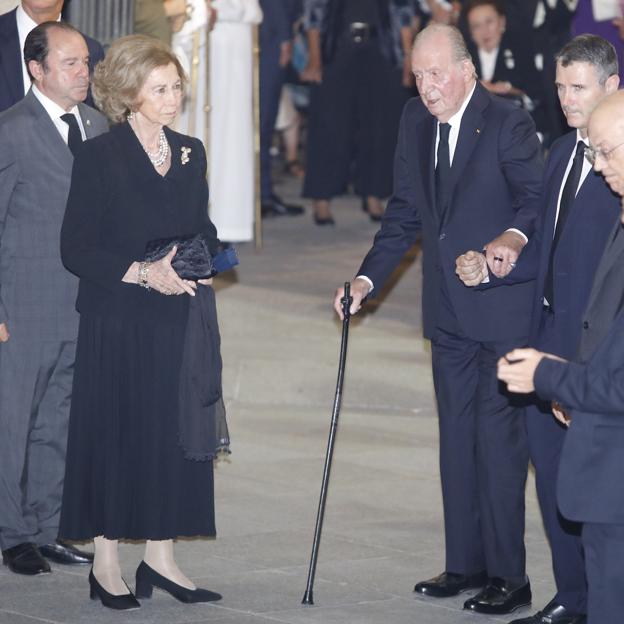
(593, 215)
(118, 203)
(496, 184)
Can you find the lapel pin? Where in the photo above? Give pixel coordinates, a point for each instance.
(185, 154)
(478, 131)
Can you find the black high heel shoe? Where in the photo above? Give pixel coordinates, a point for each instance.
(147, 578)
(373, 217)
(122, 602)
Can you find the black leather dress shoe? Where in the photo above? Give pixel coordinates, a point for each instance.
(499, 597)
(25, 559)
(59, 552)
(324, 220)
(553, 613)
(147, 578)
(276, 207)
(450, 584)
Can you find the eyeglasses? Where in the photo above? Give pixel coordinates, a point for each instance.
(592, 154)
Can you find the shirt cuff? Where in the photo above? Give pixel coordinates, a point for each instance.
(368, 280)
(517, 231)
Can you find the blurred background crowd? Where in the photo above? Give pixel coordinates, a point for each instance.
(331, 79)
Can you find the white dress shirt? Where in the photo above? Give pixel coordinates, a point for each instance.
(488, 63)
(25, 24)
(55, 111)
(584, 171)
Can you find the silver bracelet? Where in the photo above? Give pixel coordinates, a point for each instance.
(143, 273)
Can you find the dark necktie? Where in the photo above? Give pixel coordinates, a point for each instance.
(443, 171)
(567, 199)
(74, 138)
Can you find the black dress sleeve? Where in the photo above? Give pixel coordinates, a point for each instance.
(82, 248)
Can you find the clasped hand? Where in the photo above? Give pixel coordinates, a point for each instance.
(162, 277)
(501, 256)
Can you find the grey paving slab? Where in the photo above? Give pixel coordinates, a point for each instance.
(383, 526)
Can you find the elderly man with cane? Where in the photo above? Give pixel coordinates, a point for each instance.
(467, 171)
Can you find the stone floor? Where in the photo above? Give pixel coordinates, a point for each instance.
(383, 525)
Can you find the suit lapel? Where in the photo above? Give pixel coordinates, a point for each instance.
(554, 189)
(472, 124)
(87, 121)
(612, 252)
(47, 131)
(11, 56)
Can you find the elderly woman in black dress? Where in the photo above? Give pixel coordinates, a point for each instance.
(129, 473)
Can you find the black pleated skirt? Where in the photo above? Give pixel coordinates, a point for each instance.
(126, 477)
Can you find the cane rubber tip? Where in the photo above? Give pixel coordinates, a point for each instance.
(307, 598)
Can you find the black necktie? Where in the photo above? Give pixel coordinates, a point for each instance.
(74, 139)
(443, 171)
(567, 199)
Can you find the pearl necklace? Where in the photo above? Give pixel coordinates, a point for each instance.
(158, 159)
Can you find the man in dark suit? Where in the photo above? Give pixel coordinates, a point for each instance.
(587, 394)
(275, 53)
(468, 170)
(38, 320)
(14, 26)
(580, 212)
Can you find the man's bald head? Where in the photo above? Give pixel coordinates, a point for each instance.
(606, 137)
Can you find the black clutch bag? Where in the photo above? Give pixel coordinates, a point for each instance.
(193, 259)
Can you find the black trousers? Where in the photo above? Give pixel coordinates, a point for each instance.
(604, 561)
(483, 455)
(546, 438)
(353, 123)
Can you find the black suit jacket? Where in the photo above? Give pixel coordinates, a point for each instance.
(589, 226)
(591, 470)
(11, 59)
(496, 183)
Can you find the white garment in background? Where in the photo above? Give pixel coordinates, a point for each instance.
(189, 45)
(231, 166)
(606, 9)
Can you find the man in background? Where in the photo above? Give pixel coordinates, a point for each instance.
(38, 321)
(14, 27)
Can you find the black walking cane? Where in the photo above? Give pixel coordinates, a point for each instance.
(346, 304)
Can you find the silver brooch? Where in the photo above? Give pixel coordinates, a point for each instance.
(185, 154)
(510, 63)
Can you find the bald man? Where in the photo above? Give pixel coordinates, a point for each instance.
(588, 394)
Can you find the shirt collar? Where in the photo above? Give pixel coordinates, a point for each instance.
(25, 23)
(580, 138)
(52, 108)
(490, 54)
(455, 120)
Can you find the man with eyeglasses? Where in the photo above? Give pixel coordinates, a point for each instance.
(589, 394)
(579, 213)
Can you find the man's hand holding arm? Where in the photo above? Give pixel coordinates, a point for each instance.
(502, 253)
